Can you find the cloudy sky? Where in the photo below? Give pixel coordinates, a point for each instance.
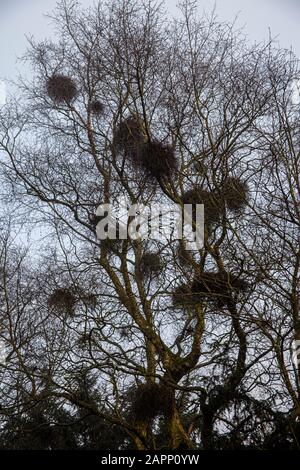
(19, 18)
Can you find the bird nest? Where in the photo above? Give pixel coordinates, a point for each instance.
(149, 400)
(63, 300)
(111, 245)
(97, 107)
(83, 340)
(213, 207)
(217, 286)
(90, 300)
(129, 136)
(61, 89)
(112, 242)
(235, 193)
(150, 264)
(158, 160)
(183, 296)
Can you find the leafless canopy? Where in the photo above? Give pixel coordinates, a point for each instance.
(130, 103)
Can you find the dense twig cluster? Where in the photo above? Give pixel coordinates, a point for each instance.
(149, 400)
(150, 264)
(182, 256)
(217, 286)
(129, 137)
(211, 286)
(97, 107)
(63, 300)
(61, 88)
(213, 206)
(235, 193)
(155, 159)
(183, 296)
(158, 160)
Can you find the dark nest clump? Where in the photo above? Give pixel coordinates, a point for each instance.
(83, 340)
(129, 137)
(112, 242)
(90, 300)
(149, 400)
(235, 193)
(150, 264)
(158, 160)
(63, 300)
(217, 286)
(213, 206)
(183, 296)
(97, 107)
(61, 88)
(111, 245)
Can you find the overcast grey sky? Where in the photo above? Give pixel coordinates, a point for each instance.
(24, 17)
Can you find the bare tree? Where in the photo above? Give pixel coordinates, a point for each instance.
(185, 348)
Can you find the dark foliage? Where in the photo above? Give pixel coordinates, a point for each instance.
(47, 427)
(256, 425)
(94, 433)
(40, 428)
(285, 435)
(61, 88)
